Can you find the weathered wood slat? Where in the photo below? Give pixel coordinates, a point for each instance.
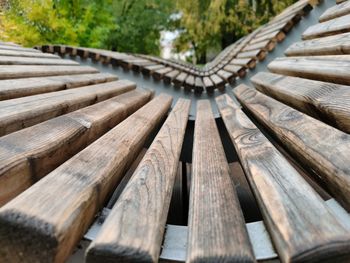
(217, 230)
(246, 62)
(301, 224)
(9, 60)
(4, 52)
(256, 54)
(134, 229)
(237, 70)
(45, 223)
(179, 79)
(266, 45)
(168, 77)
(28, 155)
(140, 65)
(16, 88)
(325, 101)
(23, 112)
(198, 85)
(16, 48)
(150, 69)
(229, 77)
(328, 28)
(325, 68)
(332, 45)
(276, 36)
(320, 147)
(336, 11)
(24, 71)
(189, 83)
(208, 85)
(159, 74)
(218, 82)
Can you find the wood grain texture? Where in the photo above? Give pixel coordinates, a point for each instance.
(332, 45)
(24, 112)
(45, 223)
(133, 231)
(11, 60)
(334, 68)
(24, 71)
(217, 231)
(323, 148)
(302, 226)
(28, 155)
(328, 28)
(16, 88)
(327, 102)
(336, 11)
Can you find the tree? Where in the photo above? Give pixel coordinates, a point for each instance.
(216, 24)
(139, 25)
(72, 22)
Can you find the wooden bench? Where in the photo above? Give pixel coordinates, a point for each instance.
(28, 155)
(85, 157)
(230, 63)
(145, 201)
(299, 221)
(54, 225)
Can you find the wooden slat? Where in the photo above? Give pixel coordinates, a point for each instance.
(23, 71)
(326, 101)
(16, 88)
(336, 11)
(266, 45)
(320, 147)
(9, 60)
(302, 226)
(256, 54)
(332, 45)
(134, 229)
(20, 113)
(150, 69)
(217, 230)
(238, 70)
(328, 28)
(198, 85)
(325, 68)
(15, 48)
(45, 223)
(208, 85)
(168, 77)
(14, 53)
(276, 36)
(179, 79)
(189, 83)
(246, 62)
(218, 82)
(28, 155)
(229, 77)
(159, 74)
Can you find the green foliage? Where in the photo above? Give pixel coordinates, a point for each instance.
(72, 22)
(139, 25)
(217, 23)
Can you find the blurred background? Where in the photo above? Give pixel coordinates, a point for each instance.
(191, 30)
